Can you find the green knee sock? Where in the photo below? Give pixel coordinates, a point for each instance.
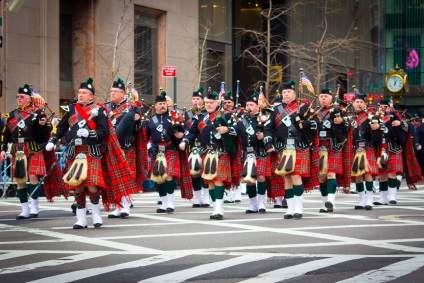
(331, 186)
(219, 192)
(288, 193)
(369, 185)
(31, 188)
(323, 189)
(212, 195)
(360, 187)
(384, 186)
(22, 194)
(251, 190)
(392, 183)
(197, 183)
(298, 190)
(170, 186)
(262, 186)
(160, 188)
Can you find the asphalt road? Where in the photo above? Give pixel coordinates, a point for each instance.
(385, 244)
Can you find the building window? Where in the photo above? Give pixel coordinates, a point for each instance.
(146, 49)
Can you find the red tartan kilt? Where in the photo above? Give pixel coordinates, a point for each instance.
(94, 170)
(263, 166)
(335, 159)
(303, 163)
(372, 161)
(224, 169)
(172, 164)
(35, 162)
(130, 157)
(394, 164)
(275, 182)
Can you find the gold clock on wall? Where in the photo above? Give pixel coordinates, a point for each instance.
(397, 81)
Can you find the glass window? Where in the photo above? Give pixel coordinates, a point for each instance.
(215, 16)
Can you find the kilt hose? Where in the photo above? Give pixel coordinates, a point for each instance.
(335, 159)
(94, 170)
(394, 163)
(275, 182)
(172, 164)
(35, 161)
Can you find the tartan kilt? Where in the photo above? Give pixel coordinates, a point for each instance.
(224, 169)
(303, 163)
(172, 164)
(335, 159)
(130, 157)
(372, 162)
(394, 163)
(275, 182)
(35, 161)
(94, 170)
(263, 166)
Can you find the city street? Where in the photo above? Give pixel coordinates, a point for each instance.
(385, 244)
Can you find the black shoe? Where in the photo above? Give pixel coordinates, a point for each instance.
(97, 225)
(227, 201)
(124, 214)
(278, 206)
(328, 205)
(195, 205)
(248, 211)
(218, 217)
(20, 217)
(160, 210)
(288, 216)
(379, 203)
(284, 203)
(262, 210)
(113, 216)
(205, 205)
(237, 201)
(297, 216)
(212, 216)
(393, 202)
(131, 206)
(33, 215)
(398, 184)
(78, 226)
(169, 210)
(323, 210)
(74, 208)
(359, 207)
(368, 207)
(159, 202)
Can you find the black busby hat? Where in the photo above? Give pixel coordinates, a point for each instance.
(229, 96)
(119, 84)
(88, 84)
(289, 85)
(212, 95)
(161, 97)
(386, 100)
(359, 95)
(198, 93)
(26, 89)
(253, 98)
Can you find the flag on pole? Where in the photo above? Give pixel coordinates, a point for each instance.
(262, 102)
(304, 81)
(222, 91)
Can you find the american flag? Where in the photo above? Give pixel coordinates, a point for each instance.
(304, 81)
(263, 103)
(222, 91)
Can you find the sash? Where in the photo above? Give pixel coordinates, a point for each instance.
(159, 126)
(284, 114)
(208, 122)
(21, 123)
(84, 116)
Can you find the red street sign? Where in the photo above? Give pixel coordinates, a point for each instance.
(349, 97)
(169, 71)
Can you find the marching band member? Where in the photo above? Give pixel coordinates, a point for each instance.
(198, 184)
(218, 138)
(95, 162)
(292, 126)
(22, 129)
(124, 112)
(367, 135)
(252, 137)
(167, 164)
(332, 134)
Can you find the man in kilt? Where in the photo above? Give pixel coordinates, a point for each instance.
(218, 138)
(165, 136)
(367, 136)
(198, 185)
(292, 126)
(26, 128)
(390, 152)
(131, 136)
(332, 134)
(252, 138)
(92, 141)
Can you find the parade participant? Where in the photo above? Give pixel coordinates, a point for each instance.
(418, 140)
(167, 163)
(218, 139)
(195, 151)
(293, 126)
(26, 128)
(332, 134)
(255, 152)
(367, 136)
(125, 114)
(95, 161)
